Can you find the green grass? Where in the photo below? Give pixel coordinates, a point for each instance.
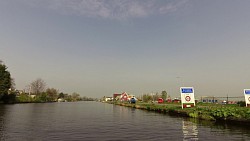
(205, 111)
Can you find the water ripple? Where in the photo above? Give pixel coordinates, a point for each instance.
(93, 121)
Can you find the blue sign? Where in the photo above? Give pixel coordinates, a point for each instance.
(247, 91)
(186, 90)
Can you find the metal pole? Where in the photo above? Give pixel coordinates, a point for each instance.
(227, 98)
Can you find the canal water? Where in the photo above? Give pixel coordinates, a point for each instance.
(94, 121)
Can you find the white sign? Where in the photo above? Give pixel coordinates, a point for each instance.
(247, 96)
(187, 97)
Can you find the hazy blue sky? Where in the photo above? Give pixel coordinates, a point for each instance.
(101, 47)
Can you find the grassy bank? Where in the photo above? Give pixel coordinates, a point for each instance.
(232, 113)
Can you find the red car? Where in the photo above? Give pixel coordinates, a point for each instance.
(160, 100)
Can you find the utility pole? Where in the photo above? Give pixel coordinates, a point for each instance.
(29, 92)
(227, 98)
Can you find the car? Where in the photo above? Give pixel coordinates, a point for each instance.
(160, 100)
(132, 100)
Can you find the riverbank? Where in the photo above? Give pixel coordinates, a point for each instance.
(213, 112)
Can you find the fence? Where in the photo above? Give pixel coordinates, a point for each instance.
(226, 99)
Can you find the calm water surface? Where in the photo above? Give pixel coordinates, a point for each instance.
(99, 121)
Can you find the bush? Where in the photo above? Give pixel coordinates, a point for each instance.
(241, 103)
(23, 98)
(9, 98)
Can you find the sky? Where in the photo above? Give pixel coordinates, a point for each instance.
(100, 47)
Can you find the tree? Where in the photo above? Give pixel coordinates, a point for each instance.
(5, 81)
(42, 97)
(52, 93)
(147, 97)
(61, 95)
(156, 96)
(13, 84)
(164, 95)
(75, 96)
(37, 86)
(22, 98)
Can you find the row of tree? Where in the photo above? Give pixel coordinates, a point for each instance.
(155, 96)
(36, 91)
(50, 95)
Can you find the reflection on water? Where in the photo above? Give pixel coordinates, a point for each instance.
(211, 130)
(1, 121)
(100, 121)
(190, 131)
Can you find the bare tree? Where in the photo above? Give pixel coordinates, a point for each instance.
(37, 86)
(75, 96)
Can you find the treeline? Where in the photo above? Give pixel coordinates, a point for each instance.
(36, 91)
(50, 95)
(155, 96)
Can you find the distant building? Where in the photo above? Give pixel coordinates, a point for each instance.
(116, 96)
(124, 97)
(60, 100)
(18, 92)
(108, 98)
(210, 99)
(176, 100)
(32, 96)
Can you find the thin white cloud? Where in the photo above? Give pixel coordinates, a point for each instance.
(111, 9)
(171, 7)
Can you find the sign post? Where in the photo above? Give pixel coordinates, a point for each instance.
(187, 97)
(247, 96)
